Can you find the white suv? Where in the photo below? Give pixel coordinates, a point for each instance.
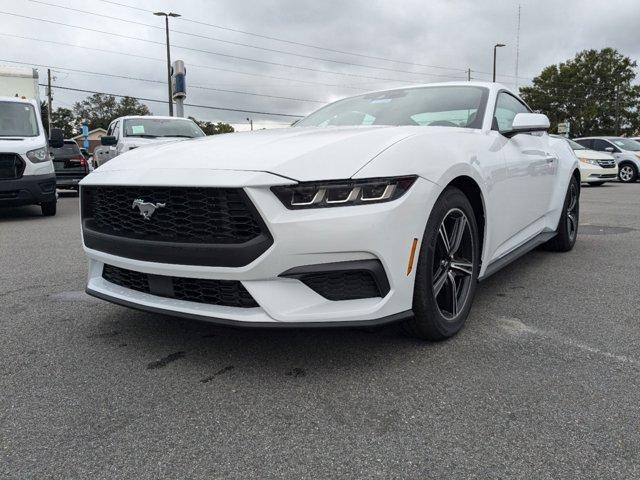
(127, 133)
(625, 150)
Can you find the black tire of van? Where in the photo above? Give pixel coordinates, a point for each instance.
(49, 208)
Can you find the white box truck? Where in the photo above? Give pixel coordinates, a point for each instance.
(26, 171)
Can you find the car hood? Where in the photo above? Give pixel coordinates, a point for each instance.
(593, 155)
(302, 154)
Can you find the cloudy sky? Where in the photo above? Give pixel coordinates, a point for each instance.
(349, 46)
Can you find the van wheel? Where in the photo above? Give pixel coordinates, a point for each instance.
(627, 173)
(447, 270)
(49, 208)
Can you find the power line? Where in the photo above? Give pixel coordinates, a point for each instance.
(209, 67)
(125, 77)
(209, 52)
(290, 42)
(226, 109)
(245, 44)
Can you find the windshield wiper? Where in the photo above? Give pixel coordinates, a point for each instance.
(177, 136)
(143, 135)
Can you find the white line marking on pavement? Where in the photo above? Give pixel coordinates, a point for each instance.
(516, 327)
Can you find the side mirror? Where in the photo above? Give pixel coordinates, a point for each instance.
(527, 123)
(108, 140)
(610, 149)
(56, 138)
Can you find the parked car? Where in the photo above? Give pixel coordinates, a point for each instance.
(382, 207)
(625, 150)
(127, 133)
(596, 168)
(70, 165)
(26, 171)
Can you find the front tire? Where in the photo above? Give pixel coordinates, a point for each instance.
(48, 208)
(569, 220)
(447, 271)
(628, 173)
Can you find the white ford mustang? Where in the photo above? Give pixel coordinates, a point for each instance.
(383, 207)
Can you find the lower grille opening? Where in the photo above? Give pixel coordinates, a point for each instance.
(343, 285)
(229, 293)
(349, 280)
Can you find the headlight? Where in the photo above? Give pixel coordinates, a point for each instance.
(342, 193)
(38, 155)
(589, 161)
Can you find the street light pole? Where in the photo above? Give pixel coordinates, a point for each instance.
(495, 48)
(250, 120)
(166, 23)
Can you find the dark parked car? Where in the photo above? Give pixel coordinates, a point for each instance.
(70, 165)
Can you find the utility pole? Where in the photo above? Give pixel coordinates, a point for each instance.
(166, 23)
(518, 44)
(468, 75)
(495, 47)
(250, 120)
(617, 91)
(49, 98)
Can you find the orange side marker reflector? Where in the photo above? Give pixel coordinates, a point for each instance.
(412, 254)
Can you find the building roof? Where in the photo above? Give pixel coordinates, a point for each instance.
(95, 130)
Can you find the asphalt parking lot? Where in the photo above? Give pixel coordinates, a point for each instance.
(544, 382)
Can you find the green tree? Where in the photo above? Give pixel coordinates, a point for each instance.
(66, 120)
(210, 128)
(593, 91)
(99, 109)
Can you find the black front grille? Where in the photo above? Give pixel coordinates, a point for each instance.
(126, 278)
(11, 166)
(187, 225)
(228, 293)
(189, 215)
(346, 285)
(607, 163)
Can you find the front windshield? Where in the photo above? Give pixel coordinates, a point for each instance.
(18, 119)
(626, 144)
(447, 106)
(576, 145)
(161, 127)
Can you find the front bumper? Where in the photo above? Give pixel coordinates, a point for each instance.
(28, 190)
(592, 173)
(381, 232)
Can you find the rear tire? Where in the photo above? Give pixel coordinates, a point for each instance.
(447, 270)
(627, 173)
(49, 208)
(569, 220)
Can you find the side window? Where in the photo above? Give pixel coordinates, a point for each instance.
(507, 107)
(116, 130)
(587, 143)
(601, 145)
(110, 129)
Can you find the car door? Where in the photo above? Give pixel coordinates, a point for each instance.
(601, 145)
(530, 168)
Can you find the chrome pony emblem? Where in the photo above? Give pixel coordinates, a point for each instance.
(147, 209)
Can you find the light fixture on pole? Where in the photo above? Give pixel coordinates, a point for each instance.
(495, 47)
(250, 122)
(166, 23)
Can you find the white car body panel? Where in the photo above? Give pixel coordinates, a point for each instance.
(523, 182)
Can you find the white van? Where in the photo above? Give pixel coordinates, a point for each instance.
(26, 171)
(127, 133)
